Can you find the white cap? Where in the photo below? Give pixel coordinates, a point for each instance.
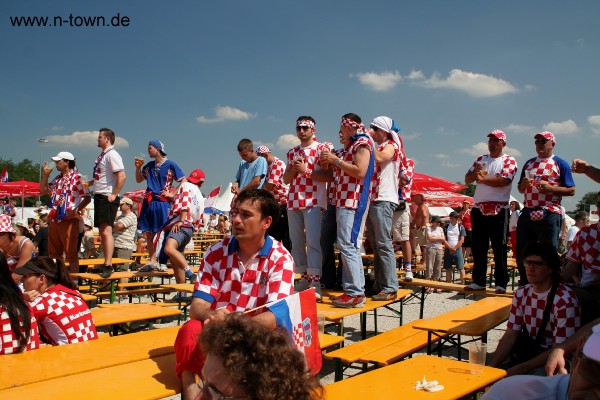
(64, 155)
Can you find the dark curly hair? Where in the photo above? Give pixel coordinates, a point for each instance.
(263, 362)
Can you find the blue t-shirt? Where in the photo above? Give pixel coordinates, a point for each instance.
(247, 171)
(161, 177)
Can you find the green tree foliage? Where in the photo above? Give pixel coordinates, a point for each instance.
(588, 198)
(469, 191)
(25, 169)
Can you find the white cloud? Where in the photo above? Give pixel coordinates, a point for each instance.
(57, 128)
(472, 83)
(517, 128)
(287, 141)
(225, 113)
(410, 136)
(482, 148)
(447, 161)
(567, 127)
(594, 121)
(82, 139)
(380, 82)
(445, 131)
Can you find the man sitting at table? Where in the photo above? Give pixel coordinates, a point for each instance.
(533, 328)
(239, 273)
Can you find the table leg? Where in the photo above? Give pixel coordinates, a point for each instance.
(428, 343)
(422, 302)
(113, 289)
(363, 324)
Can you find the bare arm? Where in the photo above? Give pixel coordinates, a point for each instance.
(268, 186)
(138, 174)
(118, 186)
(505, 345)
(556, 359)
(289, 174)
(385, 155)
(200, 309)
(495, 181)
(44, 187)
(253, 184)
(545, 187)
(583, 167)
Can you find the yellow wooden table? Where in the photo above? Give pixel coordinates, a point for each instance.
(337, 314)
(52, 362)
(152, 378)
(474, 319)
(129, 312)
(397, 381)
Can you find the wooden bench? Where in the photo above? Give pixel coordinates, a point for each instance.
(424, 284)
(136, 292)
(51, 362)
(381, 350)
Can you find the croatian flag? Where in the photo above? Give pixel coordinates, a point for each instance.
(298, 315)
(4, 175)
(212, 197)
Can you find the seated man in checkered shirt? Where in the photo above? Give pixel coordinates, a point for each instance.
(526, 314)
(582, 268)
(239, 273)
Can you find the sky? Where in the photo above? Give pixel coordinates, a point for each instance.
(202, 75)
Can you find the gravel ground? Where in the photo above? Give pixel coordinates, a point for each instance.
(435, 304)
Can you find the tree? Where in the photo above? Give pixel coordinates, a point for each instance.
(469, 191)
(27, 170)
(588, 201)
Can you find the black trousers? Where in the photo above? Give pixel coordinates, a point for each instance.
(488, 229)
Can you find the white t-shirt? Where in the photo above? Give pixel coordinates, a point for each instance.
(483, 192)
(435, 233)
(453, 234)
(571, 233)
(106, 170)
(512, 222)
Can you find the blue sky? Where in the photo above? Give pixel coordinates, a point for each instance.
(201, 75)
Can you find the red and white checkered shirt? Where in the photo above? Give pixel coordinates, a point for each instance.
(384, 171)
(275, 177)
(70, 187)
(585, 250)
(303, 189)
(347, 188)
(528, 309)
(544, 169)
(188, 198)
(9, 343)
(226, 283)
(409, 171)
(63, 316)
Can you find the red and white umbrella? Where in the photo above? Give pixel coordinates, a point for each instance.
(438, 192)
(20, 189)
(136, 195)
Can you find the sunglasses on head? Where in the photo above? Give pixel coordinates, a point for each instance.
(302, 128)
(541, 141)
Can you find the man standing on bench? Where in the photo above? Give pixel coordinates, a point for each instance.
(494, 174)
(239, 273)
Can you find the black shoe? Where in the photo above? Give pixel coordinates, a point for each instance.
(107, 271)
(95, 270)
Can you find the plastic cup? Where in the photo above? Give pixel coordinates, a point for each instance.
(477, 355)
(85, 181)
(47, 168)
(139, 160)
(484, 166)
(321, 323)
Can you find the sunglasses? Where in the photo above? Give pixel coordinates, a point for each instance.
(302, 128)
(541, 141)
(534, 264)
(374, 128)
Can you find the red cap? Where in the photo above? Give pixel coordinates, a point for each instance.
(498, 134)
(196, 176)
(545, 135)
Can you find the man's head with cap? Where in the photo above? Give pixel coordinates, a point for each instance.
(264, 151)
(496, 142)
(67, 158)
(196, 177)
(453, 216)
(127, 202)
(544, 144)
(158, 145)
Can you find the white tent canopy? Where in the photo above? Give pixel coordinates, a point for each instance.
(223, 202)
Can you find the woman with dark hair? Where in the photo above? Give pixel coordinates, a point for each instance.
(17, 249)
(18, 326)
(245, 359)
(63, 315)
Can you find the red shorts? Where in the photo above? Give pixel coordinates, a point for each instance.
(188, 355)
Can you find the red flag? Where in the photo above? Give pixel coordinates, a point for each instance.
(212, 197)
(298, 315)
(4, 175)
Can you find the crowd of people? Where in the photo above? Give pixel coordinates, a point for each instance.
(286, 217)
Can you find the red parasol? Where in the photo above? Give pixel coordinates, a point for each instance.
(136, 195)
(20, 189)
(438, 192)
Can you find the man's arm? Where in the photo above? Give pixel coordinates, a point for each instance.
(322, 175)
(201, 309)
(545, 187)
(266, 318)
(253, 184)
(505, 346)
(495, 181)
(556, 359)
(583, 167)
(118, 186)
(384, 155)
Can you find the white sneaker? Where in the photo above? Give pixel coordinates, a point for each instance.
(302, 284)
(408, 276)
(317, 286)
(162, 268)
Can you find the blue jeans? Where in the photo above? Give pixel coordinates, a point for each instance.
(546, 230)
(379, 233)
(353, 277)
(305, 234)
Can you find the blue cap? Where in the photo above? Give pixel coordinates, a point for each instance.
(159, 145)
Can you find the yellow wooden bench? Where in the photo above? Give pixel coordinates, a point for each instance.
(381, 350)
(136, 292)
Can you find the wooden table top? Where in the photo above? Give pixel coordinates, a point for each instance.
(130, 312)
(332, 313)
(153, 378)
(100, 261)
(474, 319)
(180, 287)
(397, 381)
(453, 287)
(52, 362)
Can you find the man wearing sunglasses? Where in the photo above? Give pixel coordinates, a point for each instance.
(527, 319)
(306, 198)
(545, 179)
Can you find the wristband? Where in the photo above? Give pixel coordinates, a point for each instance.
(338, 162)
